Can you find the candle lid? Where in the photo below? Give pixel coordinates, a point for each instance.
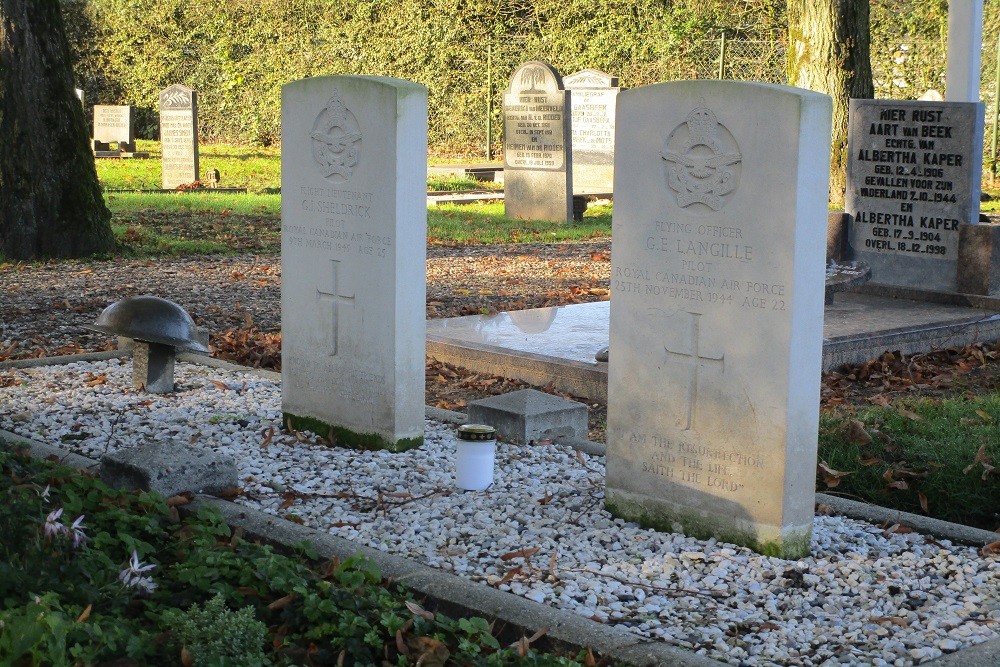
(476, 432)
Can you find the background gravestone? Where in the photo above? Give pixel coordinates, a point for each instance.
(538, 170)
(717, 310)
(179, 135)
(353, 258)
(913, 177)
(593, 103)
(113, 125)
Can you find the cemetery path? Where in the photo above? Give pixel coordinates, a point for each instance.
(44, 306)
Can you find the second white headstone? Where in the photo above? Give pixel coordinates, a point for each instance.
(717, 310)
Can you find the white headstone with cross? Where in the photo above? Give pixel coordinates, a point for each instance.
(717, 310)
(353, 259)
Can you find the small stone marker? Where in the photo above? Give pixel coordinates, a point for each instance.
(353, 258)
(593, 103)
(538, 169)
(530, 415)
(168, 469)
(113, 125)
(913, 178)
(717, 310)
(179, 135)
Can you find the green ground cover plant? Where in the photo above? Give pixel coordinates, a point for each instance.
(927, 455)
(90, 575)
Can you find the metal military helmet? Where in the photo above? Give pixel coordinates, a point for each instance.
(150, 319)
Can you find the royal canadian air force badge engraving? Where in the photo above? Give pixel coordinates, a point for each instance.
(336, 140)
(702, 161)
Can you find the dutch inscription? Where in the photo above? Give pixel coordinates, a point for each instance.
(534, 118)
(909, 174)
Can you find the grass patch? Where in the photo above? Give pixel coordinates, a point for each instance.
(459, 183)
(185, 223)
(179, 223)
(483, 223)
(255, 169)
(927, 456)
(91, 575)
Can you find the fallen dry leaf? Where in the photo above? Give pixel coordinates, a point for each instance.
(282, 602)
(831, 477)
(857, 434)
(417, 610)
(85, 615)
(520, 553)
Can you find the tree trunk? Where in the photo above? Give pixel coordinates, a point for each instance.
(829, 52)
(50, 201)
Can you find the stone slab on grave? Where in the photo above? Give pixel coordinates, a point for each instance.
(592, 105)
(179, 136)
(913, 179)
(538, 163)
(716, 325)
(353, 258)
(529, 415)
(168, 469)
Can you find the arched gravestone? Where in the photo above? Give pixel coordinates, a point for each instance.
(538, 171)
(179, 135)
(717, 310)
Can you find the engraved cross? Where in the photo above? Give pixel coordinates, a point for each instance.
(695, 361)
(335, 298)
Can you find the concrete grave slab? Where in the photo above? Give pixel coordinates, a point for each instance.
(530, 415)
(168, 469)
(717, 310)
(353, 258)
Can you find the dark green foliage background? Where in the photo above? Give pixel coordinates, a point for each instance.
(238, 53)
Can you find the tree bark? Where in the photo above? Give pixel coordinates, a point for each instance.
(50, 201)
(829, 52)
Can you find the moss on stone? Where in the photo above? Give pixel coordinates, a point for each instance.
(345, 437)
(689, 523)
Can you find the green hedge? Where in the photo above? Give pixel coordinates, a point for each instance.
(238, 53)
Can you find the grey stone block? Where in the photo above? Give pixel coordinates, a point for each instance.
(979, 259)
(153, 367)
(836, 235)
(168, 469)
(530, 415)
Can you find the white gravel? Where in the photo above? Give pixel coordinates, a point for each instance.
(866, 596)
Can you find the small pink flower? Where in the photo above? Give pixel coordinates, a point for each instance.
(79, 536)
(52, 526)
(132, 575)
